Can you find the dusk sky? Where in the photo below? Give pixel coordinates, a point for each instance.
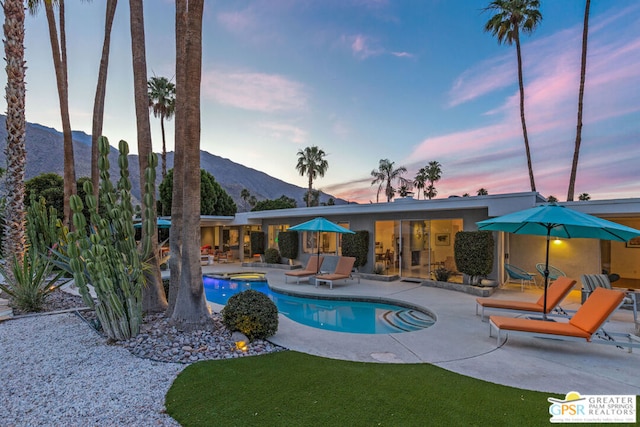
(412, 81)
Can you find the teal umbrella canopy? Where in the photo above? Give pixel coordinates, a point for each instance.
(553, 220)
(559, 221)
(322, 225)
(162, 223)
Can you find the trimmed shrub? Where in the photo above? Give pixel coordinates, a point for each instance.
(252, 313)
(272, 256)
(473, 251)
(356, 245)
(288, 244)
(257, 242)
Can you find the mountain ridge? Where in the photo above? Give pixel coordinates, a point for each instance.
(45, 154)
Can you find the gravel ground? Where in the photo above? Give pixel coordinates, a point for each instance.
(55, 370)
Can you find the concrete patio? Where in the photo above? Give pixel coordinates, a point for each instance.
(460, 342)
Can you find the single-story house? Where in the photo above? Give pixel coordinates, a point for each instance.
(411, 238)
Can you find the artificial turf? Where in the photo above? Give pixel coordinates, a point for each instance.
(295, 389)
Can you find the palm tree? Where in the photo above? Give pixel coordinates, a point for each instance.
(162, 101)
(510, 17)
(583, 71)
(98, 105)
(154, 298)
(15, 214)
(244, 194)
(385, 175)
(190, 310)
(434, 173)
(59, 52)
(483, 192)
(420, 180)
(311, 162)
(584, 197)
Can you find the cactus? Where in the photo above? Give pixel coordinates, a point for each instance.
(106, 255)
(44, 229)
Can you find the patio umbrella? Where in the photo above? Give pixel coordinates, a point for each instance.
(319, 225)
(558, 221)
(162, 223)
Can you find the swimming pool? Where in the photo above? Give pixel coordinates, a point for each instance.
(360, 317)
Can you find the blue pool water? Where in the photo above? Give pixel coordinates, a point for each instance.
(335, 315)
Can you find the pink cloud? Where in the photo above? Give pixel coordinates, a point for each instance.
(492, 155)
(254, 91)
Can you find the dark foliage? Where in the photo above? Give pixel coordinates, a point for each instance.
(252, 313)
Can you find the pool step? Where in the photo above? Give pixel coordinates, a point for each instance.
(407, 319)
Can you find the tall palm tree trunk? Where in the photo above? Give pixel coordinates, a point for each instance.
(524, 124)
(154, 299)
(583, 72)
(14, 229)
(59, 52)
(164, 148)
(191, 310)
(98, 105)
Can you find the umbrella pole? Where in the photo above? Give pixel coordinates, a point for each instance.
(546, 277)
(318, 246)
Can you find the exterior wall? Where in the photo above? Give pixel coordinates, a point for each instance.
(626, 261)
(574, 257)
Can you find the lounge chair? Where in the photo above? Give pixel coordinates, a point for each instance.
(518, 275)
(556, 292)
(585, 324)
(592, 281)
(311, 269)
(342, 271)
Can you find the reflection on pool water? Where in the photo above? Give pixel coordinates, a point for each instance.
(359, 317)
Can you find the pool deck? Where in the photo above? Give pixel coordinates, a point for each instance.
(460, 342)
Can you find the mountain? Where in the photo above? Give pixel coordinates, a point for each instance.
(44, 154)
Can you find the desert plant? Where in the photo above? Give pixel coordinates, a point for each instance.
(473, 252)
(442, 274)
(272, 256)
(44, 228)
(252, 313)
(288, 244)
(356, 245)
(106, 255)
(30, 281)
(257, 242)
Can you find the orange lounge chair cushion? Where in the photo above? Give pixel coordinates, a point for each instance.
(312, 267)
(511, 305)
(555, 293)
(333, 276)
(593, 313)
(297, 273)
(539, 326)
(596, 309)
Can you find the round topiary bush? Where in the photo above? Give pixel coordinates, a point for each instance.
(252, 313)
(272, 256)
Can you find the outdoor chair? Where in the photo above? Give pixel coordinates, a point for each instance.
(518, 275)
(555, 294)
(554, 272)
(592, 281)
(311, 269)
(585, 324)
(342, 271)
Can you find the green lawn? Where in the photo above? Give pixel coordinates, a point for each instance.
(295, 389)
